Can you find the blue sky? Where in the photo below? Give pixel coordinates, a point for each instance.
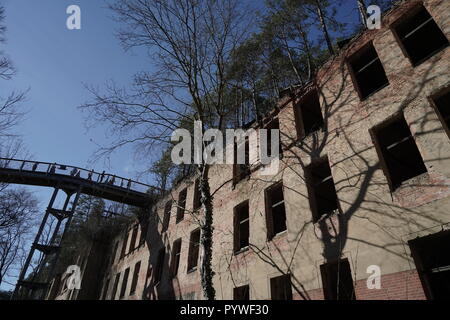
(54, 62)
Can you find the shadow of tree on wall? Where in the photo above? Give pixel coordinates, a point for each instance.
(156, 240)
(360, 179)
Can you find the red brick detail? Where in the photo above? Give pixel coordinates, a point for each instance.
(404, 285)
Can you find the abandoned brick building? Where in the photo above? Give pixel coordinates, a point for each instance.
(364, 181)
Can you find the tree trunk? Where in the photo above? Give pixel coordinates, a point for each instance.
(255, 106)
(363, 12)
(164, 183)
(206, 241)
(291, 61)
(311, 67)
(324, 27)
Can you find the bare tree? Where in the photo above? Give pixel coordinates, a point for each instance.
(190, 43)
(10, 114)
(17, 210)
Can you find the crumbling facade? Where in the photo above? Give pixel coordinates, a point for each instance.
(363, 186)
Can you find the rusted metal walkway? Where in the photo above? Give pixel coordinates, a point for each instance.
(103, 185)
(73, 181)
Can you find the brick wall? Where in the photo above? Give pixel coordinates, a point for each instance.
(374, 223)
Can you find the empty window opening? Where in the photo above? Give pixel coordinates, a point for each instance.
(194, 246)
(166, 218)
(273, 125)
(430, 254)
(144, 229)
(105, 289)
(308, 114)
(197, 195)
(181, 205)
(443, 109)
(321, 190)
(124, 245)
(241, 293)
(399, 152)
(57, 286)
(420, 36)
(159, 265)
(137, 268)
(150, 270)
(176, 253)
(280, 287)
(241, 170)
(124, 283)
(337, 280)
(114, 253)
(116, 285)
(133, 238)
(368, 72)
(241, 226)
(276, 212)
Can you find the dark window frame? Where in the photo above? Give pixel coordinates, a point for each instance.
(331, 293)
(194, 249)
(237, 223)
(160, 259)
(281, 287)
(144, 230)
(115, 286)
(123, 251)
(114, 253)
(134, 281)
(433, 99)
(273, 124)
(105, 289)
(123, 288)
(375, 131)
(270, 221)
(301, 106)
(181, 205)
(196, 205)
(166, 215)
(175, 258)
(424, 270)
(353, 73)
(241, 171)
(241, 293)
(404, 20)
(134, 233)
(311, 187)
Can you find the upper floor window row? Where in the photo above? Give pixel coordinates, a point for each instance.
(181, 205)
(367, 71)
(175, 257)
(400, 158)
(308, 115)
(419, 37)
(130, 241)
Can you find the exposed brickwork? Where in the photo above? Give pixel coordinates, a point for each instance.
(396, 286)
(404, 285)
(374, 224)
